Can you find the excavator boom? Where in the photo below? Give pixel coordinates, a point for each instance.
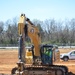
(32, 32)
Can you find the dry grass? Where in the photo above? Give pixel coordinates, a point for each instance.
(65, 50)
(9, 58)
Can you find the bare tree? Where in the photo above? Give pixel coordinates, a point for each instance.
(1, 31)
(11, 31)
(72, 30)
(51, 29)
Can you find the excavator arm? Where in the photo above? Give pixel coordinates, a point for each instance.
(27, 28)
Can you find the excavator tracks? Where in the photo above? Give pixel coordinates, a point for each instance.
(43, 70)
(46, 70)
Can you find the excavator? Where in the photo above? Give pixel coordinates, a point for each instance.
(37, 59)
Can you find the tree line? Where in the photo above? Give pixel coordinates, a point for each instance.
(51, 30)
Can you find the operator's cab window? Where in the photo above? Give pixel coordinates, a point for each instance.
(46, 48)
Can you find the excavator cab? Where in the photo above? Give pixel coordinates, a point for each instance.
(46, 53)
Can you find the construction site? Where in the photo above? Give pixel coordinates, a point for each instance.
(9, 58)
(38, 59)
(37, 37)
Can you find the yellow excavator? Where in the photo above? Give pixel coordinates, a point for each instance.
(37, 59)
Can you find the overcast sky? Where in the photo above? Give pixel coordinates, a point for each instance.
(37, 9)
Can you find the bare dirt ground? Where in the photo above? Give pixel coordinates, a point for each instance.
(9, 58)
